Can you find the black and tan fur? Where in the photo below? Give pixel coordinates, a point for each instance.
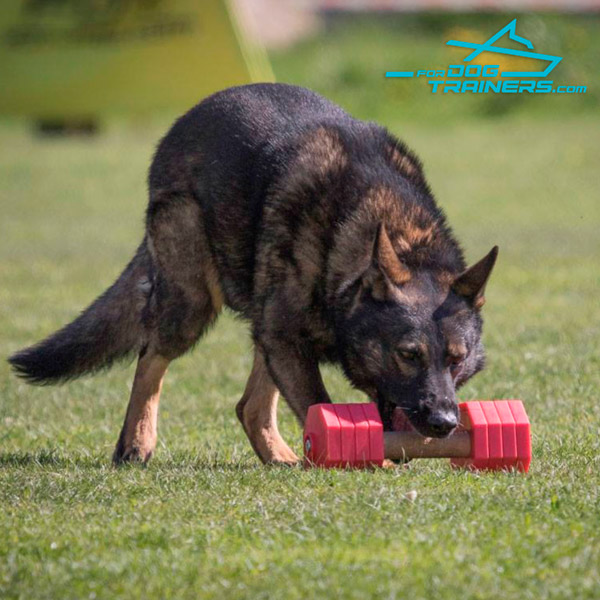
(321, 231)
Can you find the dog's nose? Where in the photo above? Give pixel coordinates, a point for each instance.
(441, 423)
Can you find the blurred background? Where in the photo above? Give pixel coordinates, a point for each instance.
(88, 89)
(80, 63)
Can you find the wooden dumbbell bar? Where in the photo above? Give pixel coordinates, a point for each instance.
(492, 435)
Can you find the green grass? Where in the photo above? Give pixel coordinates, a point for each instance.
(204, 519)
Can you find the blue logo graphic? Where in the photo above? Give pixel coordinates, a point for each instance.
(481, 79)
(489, 47)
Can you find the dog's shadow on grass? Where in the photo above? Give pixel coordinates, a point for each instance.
(48, 458)
(59, 460)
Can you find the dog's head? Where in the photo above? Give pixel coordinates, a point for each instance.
(412, 337)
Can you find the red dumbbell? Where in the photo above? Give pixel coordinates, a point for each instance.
(492, 435)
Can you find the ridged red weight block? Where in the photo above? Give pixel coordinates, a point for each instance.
(509, 434)
(347, 436)
(494, 427)
(472, 418)
(343, 435)
(523, 434)
(375, 434)
(322, 443)
(500, 435)
(362, 434)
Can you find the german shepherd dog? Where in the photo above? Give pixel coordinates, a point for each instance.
(317, 228)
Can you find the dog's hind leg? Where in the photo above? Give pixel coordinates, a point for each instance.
(257, 411)
(138, 436)
(185, 299)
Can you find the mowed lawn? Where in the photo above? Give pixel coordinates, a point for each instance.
(204, 519)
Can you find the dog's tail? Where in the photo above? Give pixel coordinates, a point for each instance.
(111, 328)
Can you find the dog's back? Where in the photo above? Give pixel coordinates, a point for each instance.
(226, 152)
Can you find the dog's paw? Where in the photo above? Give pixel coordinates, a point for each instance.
(281, 456)
(131, 455)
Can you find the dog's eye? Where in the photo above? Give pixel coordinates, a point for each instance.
(409, 355)
(455, 363)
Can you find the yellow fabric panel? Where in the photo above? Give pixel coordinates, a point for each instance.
(80, 58)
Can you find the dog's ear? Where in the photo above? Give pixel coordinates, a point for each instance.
(386, 270)
(386, 260)
(470, 284)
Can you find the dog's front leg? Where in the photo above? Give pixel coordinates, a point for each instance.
(295, 370)
(257, 411)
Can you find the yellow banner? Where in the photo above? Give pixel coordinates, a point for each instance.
(83, 58)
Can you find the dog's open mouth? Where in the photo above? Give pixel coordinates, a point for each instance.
(394, 418)
(399, 421)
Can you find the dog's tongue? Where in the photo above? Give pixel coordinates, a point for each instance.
(400, 421)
